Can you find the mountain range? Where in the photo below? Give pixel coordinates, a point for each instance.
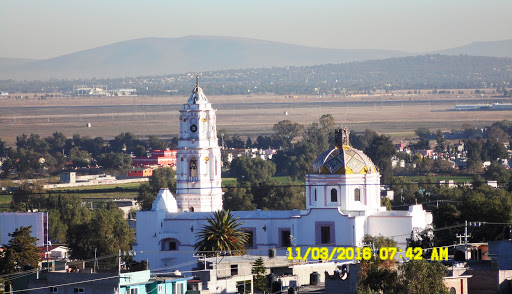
(159, 56)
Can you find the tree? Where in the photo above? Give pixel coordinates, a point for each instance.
(164, 177)
(252, 170)
(21, 252)
(238, 199)
(79, 157)
(222, 234)
(115, 161)
(286, 130)
(154, 143)
(423, 133)
(107, 232)
(259, 270)
(377, 274)
(421, 276)
(440, 141)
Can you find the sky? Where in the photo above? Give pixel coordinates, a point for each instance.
(44, 29)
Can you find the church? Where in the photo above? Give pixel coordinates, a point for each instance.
(342, 201)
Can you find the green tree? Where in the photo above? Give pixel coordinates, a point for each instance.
(107, 231)
(238, 199)
(285, 130)
(154, 143)
(252, 170)
(424, 133)
(21, 252)
(421, 276)
(377, 274)
(79, 157)
(222, 234)
(164, 177)
(115, 161)
(259, 271)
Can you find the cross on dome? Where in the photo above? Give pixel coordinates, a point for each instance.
(197, 96)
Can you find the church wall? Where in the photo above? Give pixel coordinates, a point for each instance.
(398, 227)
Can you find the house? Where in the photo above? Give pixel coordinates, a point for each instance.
(165, 157)
(53, 252)
(140, 172)
(86, 281)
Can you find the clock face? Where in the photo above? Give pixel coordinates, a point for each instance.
(193, 128)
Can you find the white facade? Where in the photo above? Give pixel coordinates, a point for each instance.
(342, 201)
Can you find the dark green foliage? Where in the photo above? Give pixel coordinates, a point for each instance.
(223, 233)
(259, 270)
(21, 252)
(240, 199)
(107, 231)
(115, 161)
(252, 170)
(377, 274)
(421, 276)
(162, 178)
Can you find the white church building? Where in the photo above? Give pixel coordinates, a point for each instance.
(342, 201)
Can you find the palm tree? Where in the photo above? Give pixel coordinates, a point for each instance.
(222, 234)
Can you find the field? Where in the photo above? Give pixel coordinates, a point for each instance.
(397, 115)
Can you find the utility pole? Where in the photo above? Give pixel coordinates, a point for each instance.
(465, 239)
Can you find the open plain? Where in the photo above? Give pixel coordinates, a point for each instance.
(397, 115)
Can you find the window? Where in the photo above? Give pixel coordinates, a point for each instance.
(285, 238)
(357, 194)
(134, 291)
(54, 290)
(315, 195)
(334, 195)
(325, 234)
(193, 167)
(169, 244)
(160, 288)
(191, 209)
(234, 269)
(79, 290)
(250, 238)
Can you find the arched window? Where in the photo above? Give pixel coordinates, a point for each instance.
(193, 167)
(357, 194)
(191, 209)
(169, 244)
(334, 195)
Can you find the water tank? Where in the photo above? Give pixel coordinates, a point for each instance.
(314, 278)
(270, 279)
(276, 286)
(272, 253)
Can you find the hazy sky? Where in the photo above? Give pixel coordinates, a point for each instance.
(43, 29)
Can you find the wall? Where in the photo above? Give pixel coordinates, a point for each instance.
(10, 221)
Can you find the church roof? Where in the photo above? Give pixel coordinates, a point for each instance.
(197, 96)
(343, 159)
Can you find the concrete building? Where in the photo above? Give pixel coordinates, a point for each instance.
(342, 200)
(139, 282)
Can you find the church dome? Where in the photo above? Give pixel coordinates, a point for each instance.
(343, 159)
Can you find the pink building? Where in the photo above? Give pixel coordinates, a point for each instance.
(165, 157)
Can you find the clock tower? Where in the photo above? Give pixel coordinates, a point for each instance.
(198, 174)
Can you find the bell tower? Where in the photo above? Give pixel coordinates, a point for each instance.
(198, 173)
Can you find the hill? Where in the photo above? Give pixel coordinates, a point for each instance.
(158, 56)
(412, 72)
(494, 49)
